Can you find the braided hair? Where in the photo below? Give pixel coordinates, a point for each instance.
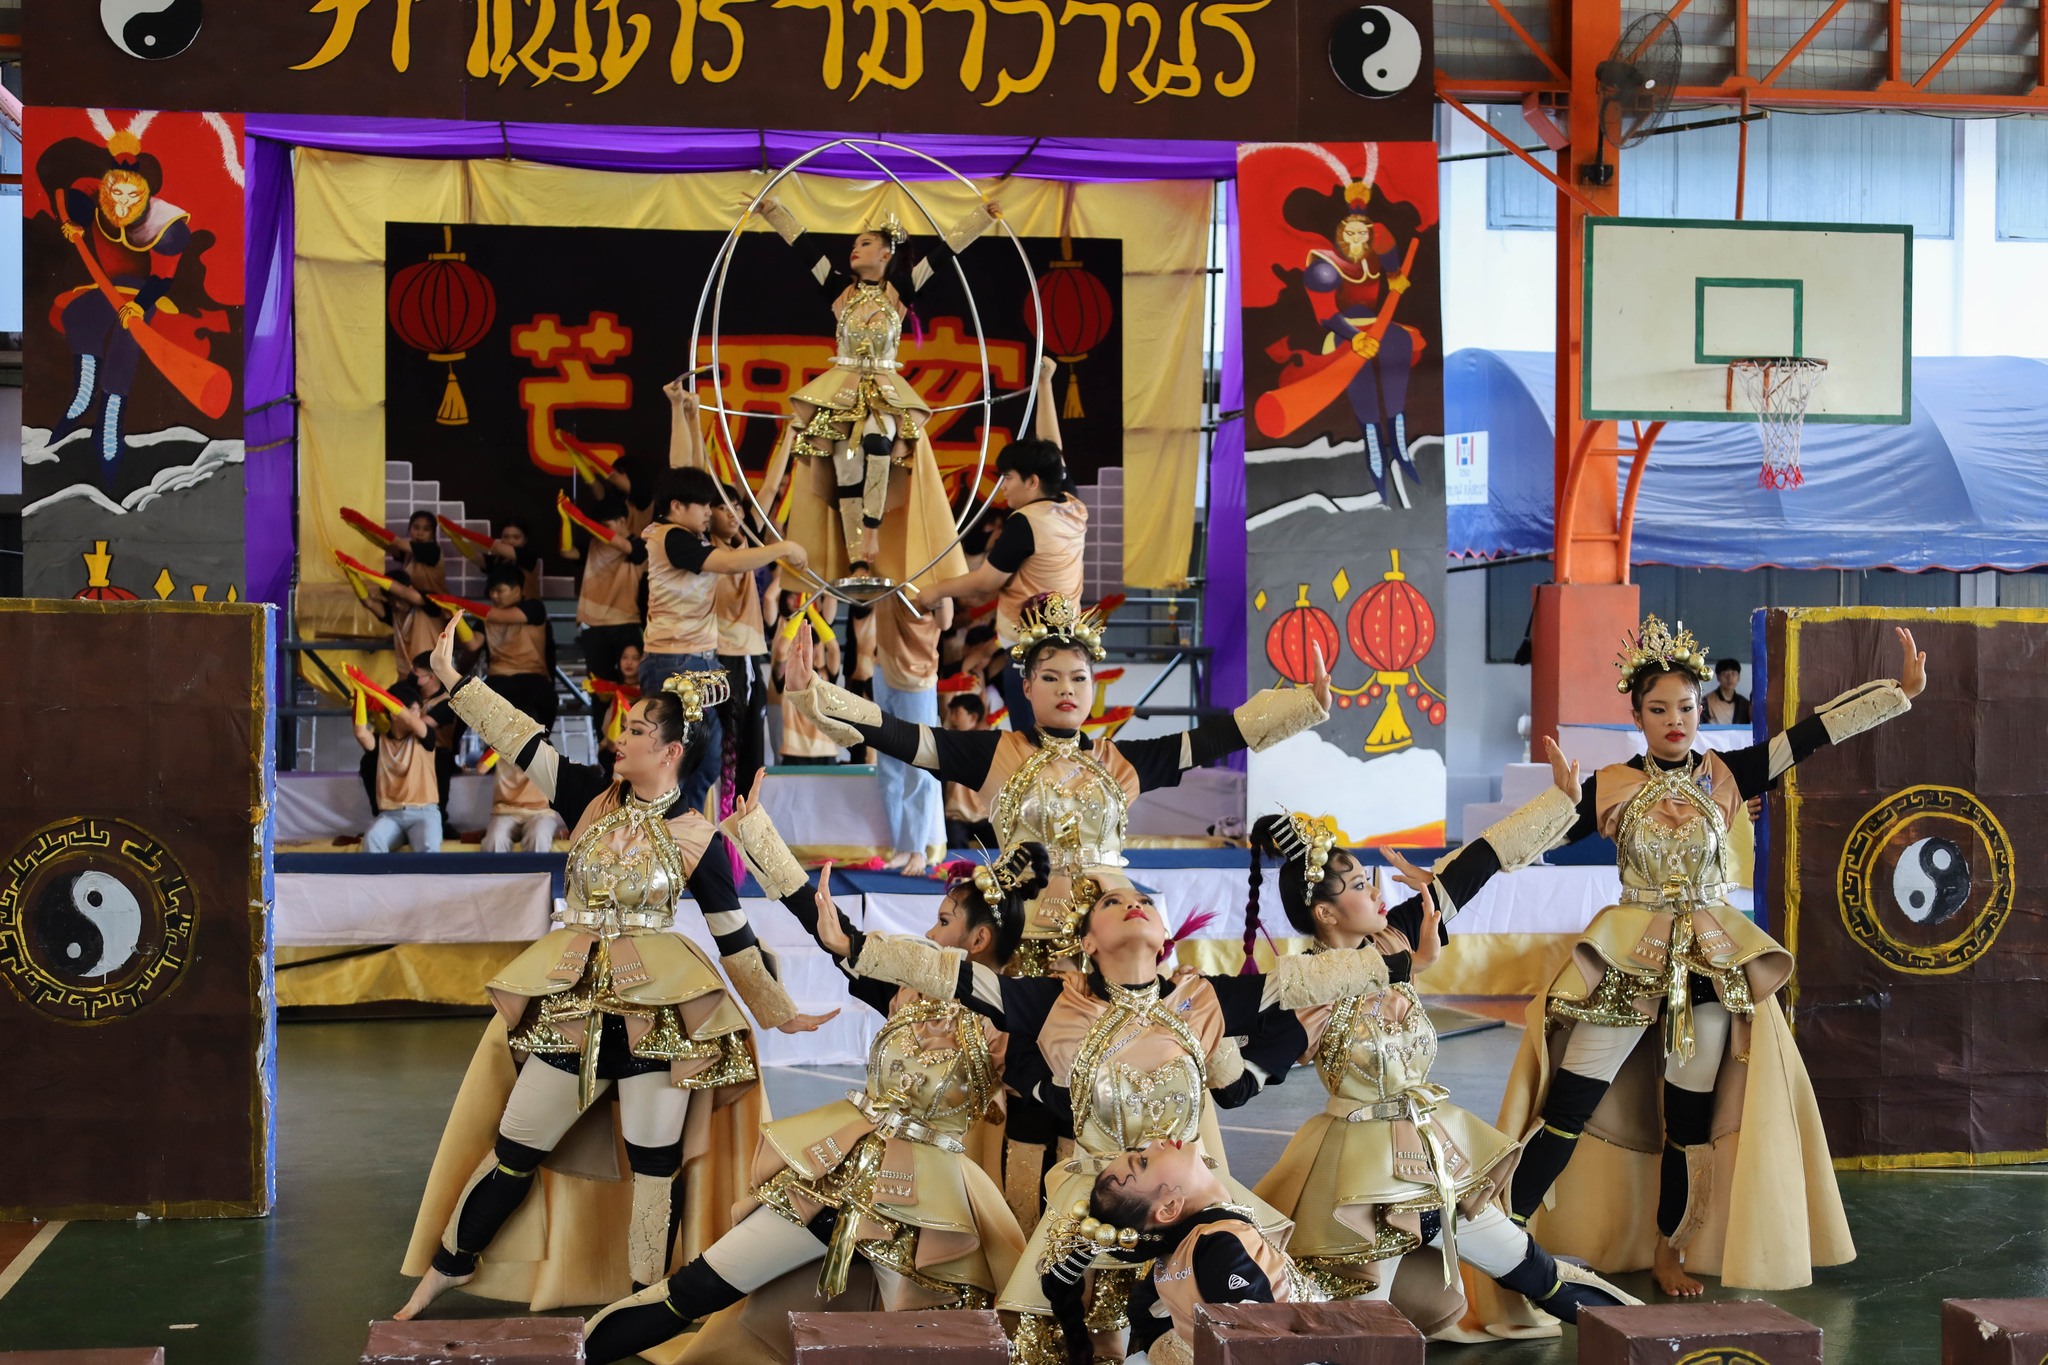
(1297, 897)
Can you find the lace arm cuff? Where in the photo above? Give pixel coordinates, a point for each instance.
(1523, 835)
(837, 713)
(1304, 980)
(1278, 713)
(774, 866)
(1863, 708)
(1225, 1064)
(504, 727)
(918, 963)
(765, 999)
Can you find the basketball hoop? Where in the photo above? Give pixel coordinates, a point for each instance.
(1777, 389)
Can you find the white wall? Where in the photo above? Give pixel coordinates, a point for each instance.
(1487, 701)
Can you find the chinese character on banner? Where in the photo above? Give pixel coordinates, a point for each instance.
(576, 358)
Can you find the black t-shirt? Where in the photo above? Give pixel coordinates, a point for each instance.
(1015, 545)
(686, 551)
(425, 555)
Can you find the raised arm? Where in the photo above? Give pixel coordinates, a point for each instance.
(1265, 720)
(1758, 767)
(569, 787)
(1045, 418)
(963, 756)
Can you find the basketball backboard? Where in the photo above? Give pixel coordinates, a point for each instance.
(1671, 301)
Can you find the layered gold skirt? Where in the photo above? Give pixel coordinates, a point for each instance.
(917, 522)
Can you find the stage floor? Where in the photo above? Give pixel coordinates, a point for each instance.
(361, 1105)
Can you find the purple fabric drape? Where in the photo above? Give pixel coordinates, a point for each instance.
(269, 466)
(1223, 611)
(606, 148)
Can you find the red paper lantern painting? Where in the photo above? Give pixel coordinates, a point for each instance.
(1391, 628)
(443, 306)
(1292, 640)
(97, 587)
(1077, 312)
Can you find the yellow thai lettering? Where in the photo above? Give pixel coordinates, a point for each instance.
(345, 13)
(977, 36)
(1112, 24)
(683, 55)
(579, 62)
(543, 29)
(401, 38)
(871, 62)
(832, 66)
(713, 12)
(1144, 12)
(621, 57)
(1221, 16)
(490, 49)
(1008, 85)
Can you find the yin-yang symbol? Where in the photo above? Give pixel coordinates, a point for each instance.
(1375, 52)
(87, 926)
(1931, 881)
(151, 29)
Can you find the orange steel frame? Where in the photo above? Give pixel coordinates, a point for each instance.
(1591, 602)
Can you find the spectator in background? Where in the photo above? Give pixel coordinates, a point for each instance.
(407, 799)
(905, 651)
(1726, 706)
(742, 649)
(520, 811)
(515, 546)
(801, 745)
(608, 597)
(522, 648)
(967, 811)
(447, 728)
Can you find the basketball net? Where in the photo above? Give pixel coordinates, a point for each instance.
(1777, 389)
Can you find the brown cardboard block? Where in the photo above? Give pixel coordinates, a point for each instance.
(1354, 1333)
(118, 1355)
(1994, 1331)
(476, 1341)
(1747, 1332)
(949, 1338)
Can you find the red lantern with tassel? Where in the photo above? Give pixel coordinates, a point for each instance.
(1076, 315)
(443, 306)
(97, 588)
(1292, 640)
(1391, 628)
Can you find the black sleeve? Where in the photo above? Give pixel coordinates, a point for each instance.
(1588, 823)
(427, 555)
(1145, 1327)
(536, 613)
(1752, 765)
(1273, 1038)
(686, 551)
(526, 557)
(441, 713)
(1225, 1273)
(636, 551)
(876, 995)
(1015, 545)
(711, 886)
(965, 756)
(1157, 761)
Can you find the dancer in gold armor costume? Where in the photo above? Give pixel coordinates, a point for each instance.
(611, 998)
(1391, 1166)
(1729, 1174)
(890, 1173)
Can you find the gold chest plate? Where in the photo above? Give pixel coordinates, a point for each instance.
(1367, 1056)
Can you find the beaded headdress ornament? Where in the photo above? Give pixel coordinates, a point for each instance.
(891, 230)
(1054, 615)
(699, 690)
(1654, 646)
(998, 877)
(1309, 838)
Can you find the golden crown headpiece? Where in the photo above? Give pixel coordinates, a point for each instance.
(891, 230)
(998, 877)
(1654, 646)
(1053, 615)
(699, 691)
(1310, 838)
(1076, 1238)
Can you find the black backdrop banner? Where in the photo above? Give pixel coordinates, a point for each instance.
(585, 326)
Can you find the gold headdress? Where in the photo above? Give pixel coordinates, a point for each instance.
(1654, 646)
(1310, 838)
(699, 690)
(1053, 615)
(997, 878)
(891, 230)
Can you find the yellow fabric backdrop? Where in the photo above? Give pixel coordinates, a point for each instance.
(345, 200)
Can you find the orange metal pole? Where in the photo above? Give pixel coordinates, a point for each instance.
(1969, 32)
(1741, 40)
(1800, 46)
(1563, 186)
(1895, 31)
(1535, 48)
(1644, 441)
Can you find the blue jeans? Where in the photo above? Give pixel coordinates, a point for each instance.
(910, 796)
(418, 825)
(701, 762)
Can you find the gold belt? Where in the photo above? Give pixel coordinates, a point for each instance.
(893, 1123)
(1416, 1104)
(1680, 1040)
(1411, 1103)
(598, 922)
(1678, 898)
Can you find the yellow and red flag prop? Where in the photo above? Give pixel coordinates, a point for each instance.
(958, 682)
(362, 705)
(1102, 682)
(1108, 723)
(474, 545)
(594, 467)
(380, 536)
(572, 513)
(372, 690)
(360, 575)
(459, 607)
(488, 761)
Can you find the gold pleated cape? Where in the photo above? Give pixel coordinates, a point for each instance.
(917, 521)
(566, 1244)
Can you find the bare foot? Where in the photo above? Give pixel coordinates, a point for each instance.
(432, 1286)
(1668, 1270)
(915, 866)
(896, 862)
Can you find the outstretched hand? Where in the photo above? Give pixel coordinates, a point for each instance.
(1913, 674)
(443, 657)
(751, 802)
(1407, 873)
(806, 1023)
(1319, 681)
(1564, 773)
(831, 932)
(798, 669)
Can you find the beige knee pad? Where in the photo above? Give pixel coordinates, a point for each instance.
(647, 1244)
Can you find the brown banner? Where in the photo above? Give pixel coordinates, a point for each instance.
(1234, 70)
(1907, 878)
(134, 955)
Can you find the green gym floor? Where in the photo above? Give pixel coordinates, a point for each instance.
(361, 1106)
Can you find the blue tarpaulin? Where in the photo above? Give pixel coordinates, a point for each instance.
(1963, 486)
